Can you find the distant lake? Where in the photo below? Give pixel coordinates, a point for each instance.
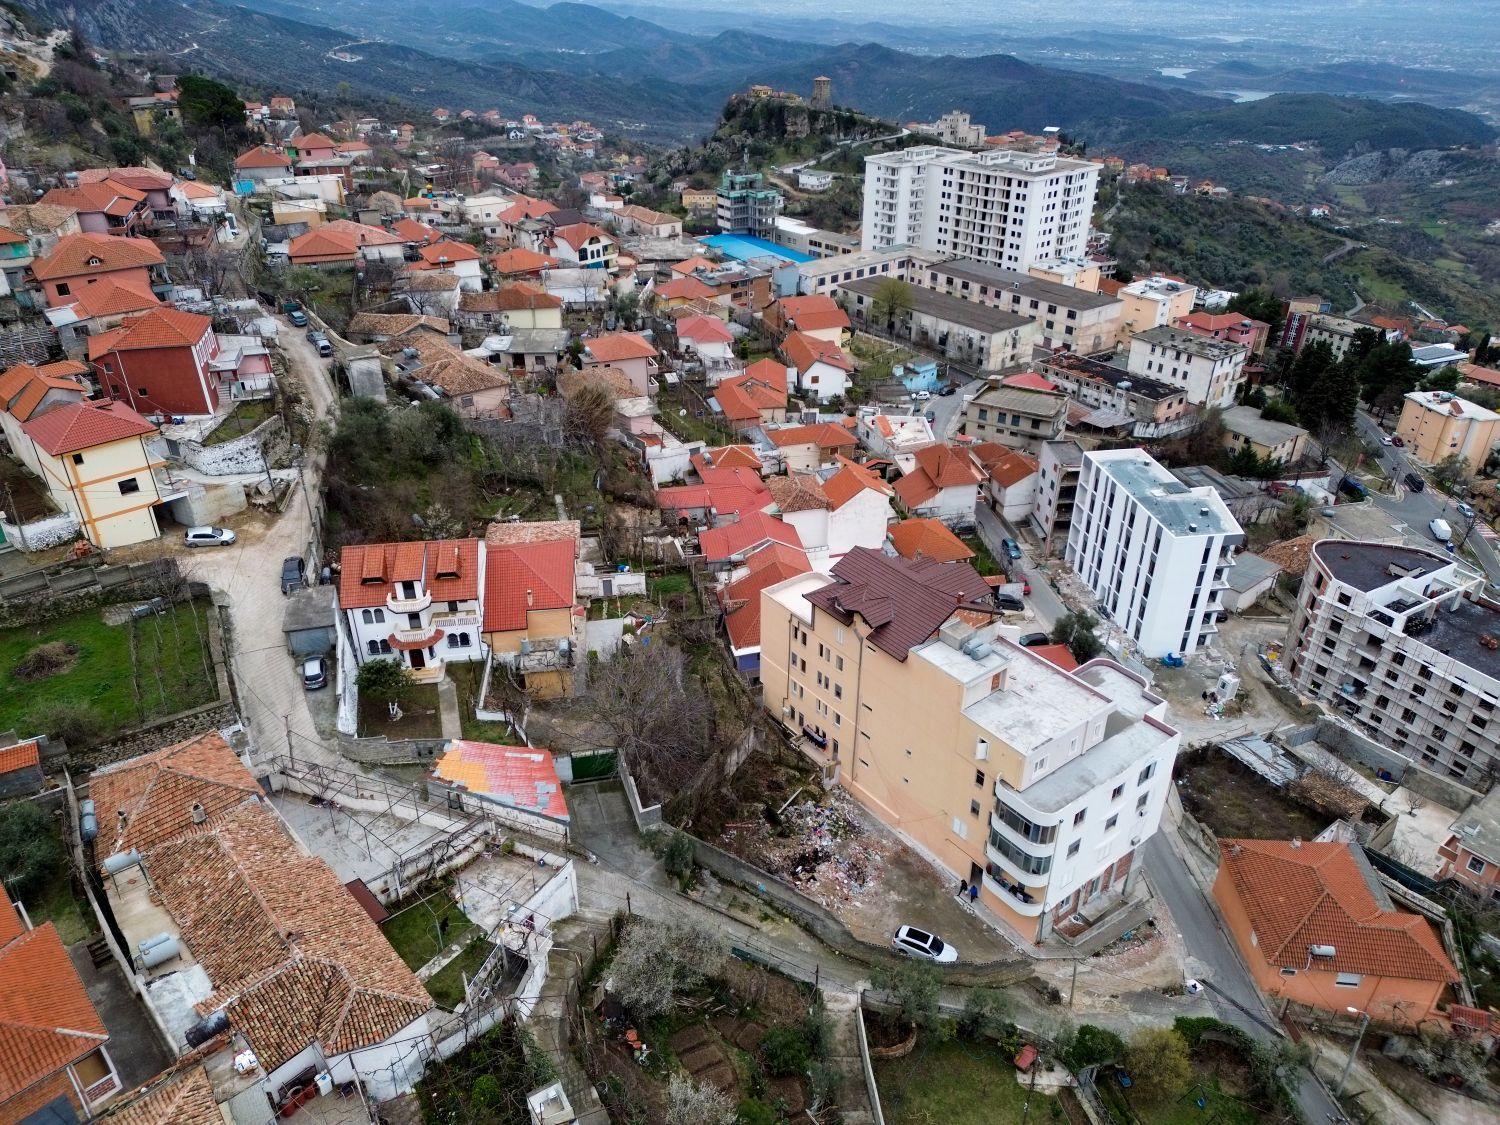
(1246, 95)
(1175, 71)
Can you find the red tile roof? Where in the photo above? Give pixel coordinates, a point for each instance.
(797, 492)
(802, 351)
(163, 327)
(19, 757)
(850, 481)
(1297, 896)
(1003, 465)
(311, 140)
(743, 397)
(440, 254)
(577, 235)
(928, 539)
(46, 1018)
(937, 467)
(509, 298)
(520, 777)
(768, 566)
(684, 288)
(520, 577)
(106, 197)
(412, 231)
(447, 568)
(905, 602)
(825, 435)
(769, 371)
(10, 237)
(751, 530)
(520, 260)
(732, 457)
(78, 254)
(1029, 380)
(112, 298)
(813, 312)
(704, 329)
(23, 387)
(525, 207)
(339, 240)
(186, 1098)
(725, 491)
(263, 156)
(1060, 655)
(84, 425)
(691, 265)
(615, 347)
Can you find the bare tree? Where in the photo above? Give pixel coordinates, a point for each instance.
(660, 719)
(696, 1103)
(591, 412)
(657, 962)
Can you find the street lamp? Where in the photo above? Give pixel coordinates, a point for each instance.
(1358, 1039)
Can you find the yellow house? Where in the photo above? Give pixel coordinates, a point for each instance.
(1035, 784)
(1438, 424)
(1152, 302)
(532, 620)
(92, 456)
(1077, 273)
(515, 306)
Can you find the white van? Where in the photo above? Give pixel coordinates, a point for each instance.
(1440, 530)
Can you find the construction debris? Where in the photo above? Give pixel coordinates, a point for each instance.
(819, 846)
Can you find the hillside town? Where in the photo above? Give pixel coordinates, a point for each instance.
(497, 630)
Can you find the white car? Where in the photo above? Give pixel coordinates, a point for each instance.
(1385, 439)
(208, 537)
(919, 943)
(920, 396)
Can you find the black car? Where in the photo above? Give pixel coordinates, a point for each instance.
(293, 574)
(1031, 640)
(1414, 482)
(1010, 603)
(946, 390)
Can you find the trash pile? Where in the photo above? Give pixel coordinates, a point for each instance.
(820, 847)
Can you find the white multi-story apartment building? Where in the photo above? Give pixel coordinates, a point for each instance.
(1210, 371)
(1004, 207)
(418, 603)
(1154, 551)
(1403, 641)
(1035, 784)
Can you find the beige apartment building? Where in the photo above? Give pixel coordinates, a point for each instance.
(1152, 302)
(1438, 424)
(1039, 785)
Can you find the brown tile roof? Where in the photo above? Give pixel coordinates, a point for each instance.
(1291, 555)
(928, 539)
(39, 218)
(394, 324)
(46, 1018)
(802, 351)
(502, 533)
(419, 279)
(185, 1099)
(83, 425)
(617, 346)
(157, 792)
(77, 254)
(1001, 464)
(904, 602)
(798, 492)
(447, 368)
(615, 381)
(449, 569)
(293, 958)
(825, 435)
(508, 298)
(1297, 896)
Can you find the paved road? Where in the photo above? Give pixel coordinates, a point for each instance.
(1417, 509)
(1044, 601)
(247, 577)
(1213, 958)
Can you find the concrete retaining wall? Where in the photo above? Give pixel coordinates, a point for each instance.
(1355, 747)
(241, 454)
(645, 817)
(42, 534)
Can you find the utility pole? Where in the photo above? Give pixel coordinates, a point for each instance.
(1072, 984)
(1353, 1051)
(10, 508)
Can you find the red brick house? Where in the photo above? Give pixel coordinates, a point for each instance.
(167, 361)
(81, 260)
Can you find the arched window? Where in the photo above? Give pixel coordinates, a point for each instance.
(463, 640)
(367, 617)
(380, 617)
(374, 648)
(453, 641)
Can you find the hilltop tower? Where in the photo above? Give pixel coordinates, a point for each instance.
(822, 92)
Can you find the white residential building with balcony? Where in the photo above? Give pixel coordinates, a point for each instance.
(1209, 371)
(1154, 551)
(1003, 207)
(418, 603)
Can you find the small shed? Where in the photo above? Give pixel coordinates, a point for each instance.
(1249, 578)
(309, 623)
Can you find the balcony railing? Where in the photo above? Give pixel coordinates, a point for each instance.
(397, 604)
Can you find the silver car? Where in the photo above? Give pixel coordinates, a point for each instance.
(314, 673)
(208, 537)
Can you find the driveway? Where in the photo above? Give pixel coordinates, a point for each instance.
(247, 579)
(1044, 602)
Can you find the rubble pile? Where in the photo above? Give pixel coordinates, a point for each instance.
(819, 847)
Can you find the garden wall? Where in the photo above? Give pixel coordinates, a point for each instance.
(42, 534)
(1346, 743)
(238, 455)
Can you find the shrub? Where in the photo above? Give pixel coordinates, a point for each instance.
(754, 1112)
(659, 961)
(984, 1013)
(486, 1092)
(30, 851)
(75, 722)
(785, 1051)
(386, 681)
(1157, 1059)
(1094, 1046)
(678, 854)
(692, 1103)
(914, 988)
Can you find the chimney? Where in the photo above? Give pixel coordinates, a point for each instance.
(530, 597)
(1296, 841)
(200, 814)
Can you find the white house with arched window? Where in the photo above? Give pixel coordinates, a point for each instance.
(418, 603)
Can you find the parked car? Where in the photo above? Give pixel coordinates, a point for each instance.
(314, 673)
(1399, 442)
(1466, 511)
(208, 537)
(298, 318)
(1031, 640)
(1010, 603)
(1351, 487)
(1414, 482)
(1440, 530)
(312, 335)
(1011, 548)
(293, 574)
(931, 416)
(186, 173)
(920, 396)
(1385, 439)
(320, 341)
(947, 389)
(919, 943)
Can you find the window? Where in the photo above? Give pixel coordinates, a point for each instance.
(979, 778)
(128, 486)
(1109, 825)
(1073, 848)
(1348, 980)
(973, 808)
(1476, 865)
(1041, 764)
(1119, 791)
(1146, 774)
(78, 458)
(960, 829)
(62, 289)
(1141, 801)
(982, 749)
(367, 617)
(1078, 817)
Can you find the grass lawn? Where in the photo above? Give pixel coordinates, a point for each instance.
(446, 986)
(242, 419)
(468, 678)
(667, 583)
(959, 1082)
(414, 933)
(170, 671)
(1181, 1108)
(419, 716)
(983, 561)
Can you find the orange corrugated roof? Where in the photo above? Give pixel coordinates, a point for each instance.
(1298, 896)
(1060, 655)
(520, 777)
(928, 539)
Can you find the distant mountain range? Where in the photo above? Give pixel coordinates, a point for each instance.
(578, 60)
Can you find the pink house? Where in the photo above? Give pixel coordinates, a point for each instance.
(1234, 327)
(627, 352)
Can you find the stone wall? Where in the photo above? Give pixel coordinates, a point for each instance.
(167, 732)
(1345, 743)
(38, 595)
(241, 454)
(42, 534)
